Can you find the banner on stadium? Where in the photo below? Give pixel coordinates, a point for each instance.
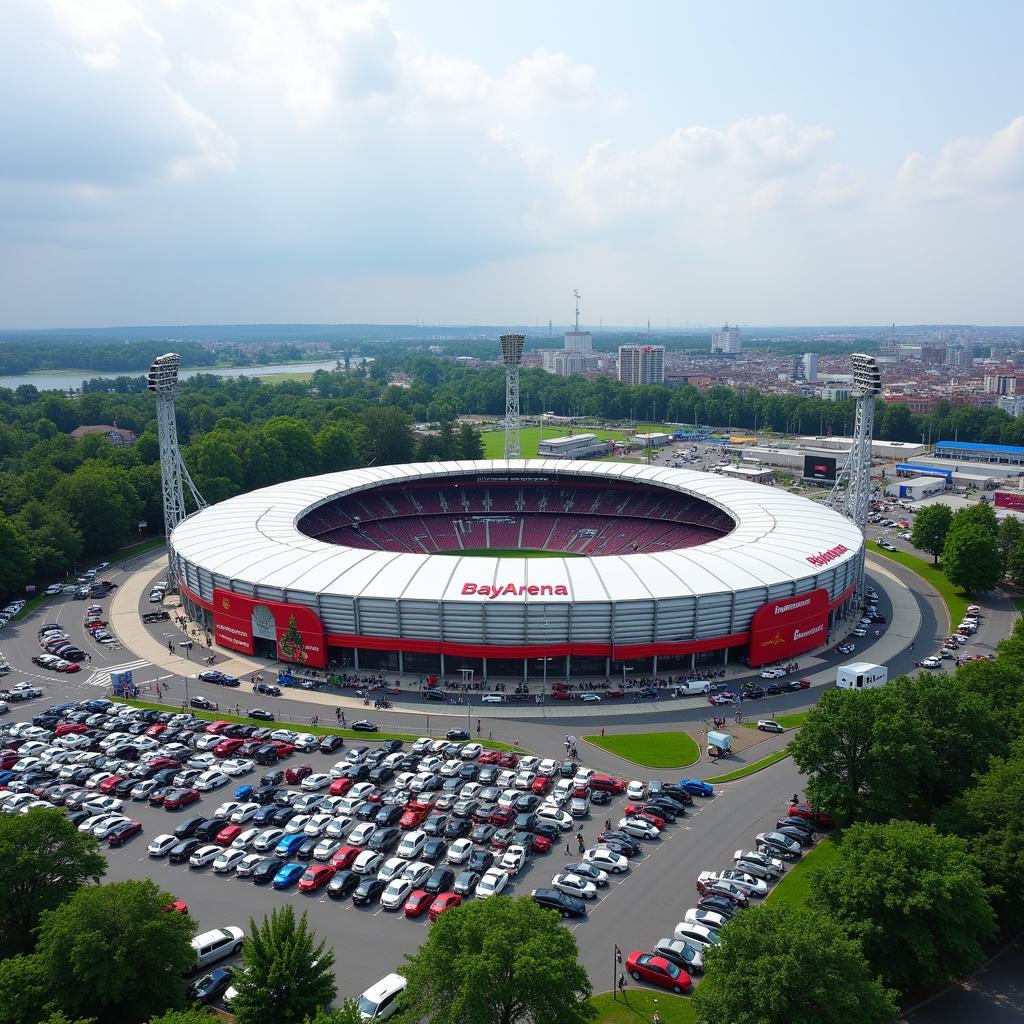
(297, 629)
(788, 626)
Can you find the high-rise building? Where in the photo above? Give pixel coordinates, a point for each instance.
(1001, 384)
(565, 364)
(958, 355)
(642, 364)
(810, 361)
(797, 373)
(579, 341)
(727, 341)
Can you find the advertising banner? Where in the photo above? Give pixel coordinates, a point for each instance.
(1008, 499)
(820, 467)
(298, 631)
(788, 626)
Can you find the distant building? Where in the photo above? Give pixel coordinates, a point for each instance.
(119, 437)
(565, 364)
(810, 365)
(1013, 404)
(1001, 384)
(727, 341)
(575, 446)
(579, 341)
(642, 364)
(835, 392)
(958, 356)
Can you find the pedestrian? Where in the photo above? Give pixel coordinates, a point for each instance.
(567, 850)
(607, 824)
(582, 847)
(337, 714)
(622, 981)
(602, 732)
(796, 798)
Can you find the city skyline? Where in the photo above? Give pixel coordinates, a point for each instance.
(327, 162)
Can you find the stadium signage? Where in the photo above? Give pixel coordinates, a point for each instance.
(824, 557)
(783, 609)
(491, 591)
(295, 629)
(788, 626)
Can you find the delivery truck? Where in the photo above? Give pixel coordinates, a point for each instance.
(861, 675)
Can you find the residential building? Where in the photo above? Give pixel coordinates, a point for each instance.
(119, 437)
(727, 341)
(642, 364)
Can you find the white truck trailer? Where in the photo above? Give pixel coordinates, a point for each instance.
(861, 675)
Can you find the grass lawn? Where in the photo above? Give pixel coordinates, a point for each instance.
(286, 378)
(750, 768)
(796, 883)
(510, 553)
(650, 749)
(956, 600)
(637, 1005)
(319, 730)
(786, 721)
(494, 440)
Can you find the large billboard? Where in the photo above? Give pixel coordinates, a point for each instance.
(820, 467)
(788, 626)
(296, 629)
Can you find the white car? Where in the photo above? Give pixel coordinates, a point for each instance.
(211, 780)
(248, 864)
(493, 883)
(162, 845)
(297, 824)
(563, 789)
(245, 839)
(422, 745)
(326, 848)
(607, 860)
(760, 865)
(205, 855)
(391, 868)
(268, 839)
(492, 698)
(547, 767)
(339, 826)
(235, 766)
(638, 827)
(245, 812)
(574, 885)
(417, 872)
(228, 860)
(932, 662)
(777, 843)
(368, 862)
(707, 918)
(312, 783)
(528, 763)
(773, 673)
(696, 934)
(204, 762)
(579, 806)
(555, 816)
(747, 884)
(411, 845)
(471, 751)
(460, 850)
(636, 790)
(317, 825)
(590, 697)
(307, 803)
(395, 893)
(306, 742)
(513, 859)
(225, 810)
(362, 833)
(102, 828)
(102, 805)
(524, 780)
(362, 791)
(450, 768)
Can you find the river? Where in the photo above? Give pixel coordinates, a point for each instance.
(73, 379)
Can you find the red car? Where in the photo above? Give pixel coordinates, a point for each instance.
(638, 811)
(123, 834)
(488, 757)
(228, 834)
(540, 844)
(808, 813)
(344, 857)
(283, 749)
(176, 907)
(541, 784)
(155, 730)
(658, 971)
(159, 763)
(804, 683)
(71, 666)
(217, 727)
(316, 877)
(607, 783)
(297, 773)
(227, 747)
(413, 817)
(68, 729)
(108, 785)
(417, 902)
(561, 695)
(445, 901)
(507, 759)
(501, 815)
(179, 798)
(339, 787)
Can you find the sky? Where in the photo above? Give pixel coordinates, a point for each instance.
(470, 161)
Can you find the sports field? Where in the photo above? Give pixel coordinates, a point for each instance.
(494, 440)
(510, 553)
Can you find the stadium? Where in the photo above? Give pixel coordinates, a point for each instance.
(500, 567)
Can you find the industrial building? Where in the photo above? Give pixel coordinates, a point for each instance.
(575, 446)
(969, 451)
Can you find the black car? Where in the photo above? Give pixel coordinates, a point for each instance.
(620, 843)
(435, 824)
(389, 815)
(384, 839)
(201, 702)
(208, 829)
(124, 789)
(210, 987)
(466, 882)
(433, 850)
(469, 772)
(488, 773)
(798, 835)
(343, 883)
(878, 618)
(77, 817)
(752, 693)
(391, 746)
(667, 803)
(552, 899)
(180, 854)
(793, 822)
(457, 734)
(525, 821)
(268, 689)
(409, 763)
(329, 744)
(682, 954)
(793, 685)
(547, 830)
(436, 695)
(568, 769)
(282, 816)
(526, 802)
(381, 774)
(481, 814)
(266, 869)
(676, 792)
(306, 848)
(275, 778)
(719, 904)
(260, 715)
(187, 828)
(358, 772)
(599, 797)
(439, 880)
(267, 754)
(363, 726)
(366, 811)
(480, 860)
(456, 827)
(367, 891)
(774, 689)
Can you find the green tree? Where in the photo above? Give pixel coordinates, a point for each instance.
(471, 444)
(288, 972)
(22, 990)
(101, 502)
(15, 558)
(54, 542)
(931, 524)
(497, 961)
(981, 514)
(44, 859)
(1011, 534)
(864, 753)
(789, 965)
(347, 1013)
(335, 447)
(970, 558)
(913, 898)
(113, 951)
(190, 1015)
(385, 438)
(1013, 567)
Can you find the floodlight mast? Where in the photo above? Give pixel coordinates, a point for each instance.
(512, 357)
(163, 382)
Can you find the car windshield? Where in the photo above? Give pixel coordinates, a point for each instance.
(367, 1006)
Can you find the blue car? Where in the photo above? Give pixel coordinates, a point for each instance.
(4, 776)
(243, 792)
(264, 814)
(696, 787)
(289, 874)
(289, 844)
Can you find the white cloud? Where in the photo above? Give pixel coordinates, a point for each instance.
(837, 185)
(968, 167)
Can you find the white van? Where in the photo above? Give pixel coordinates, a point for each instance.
(380, 1001)
(216, 945)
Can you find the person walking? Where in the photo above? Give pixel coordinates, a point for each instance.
(602, 732)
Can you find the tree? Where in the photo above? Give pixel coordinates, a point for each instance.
(913, 898)
(497, 961)
(191, 1015)
(931, 524)
(336, 448)
(113, 951)
(288, 974)
(1011, 535)
(385, 437)
(981, 514)
(779, 963)
(1013, 566)
(101, 502)
(54, 542)
(970, 558)
(864, 753)
(15, 558)
(347, 1013)
(22, 990)
(44, 859)
(471, 444)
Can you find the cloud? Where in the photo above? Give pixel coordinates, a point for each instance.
(967, 167)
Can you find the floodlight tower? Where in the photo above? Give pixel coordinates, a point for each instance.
(512, 357)
(163, 381)
(867, 383)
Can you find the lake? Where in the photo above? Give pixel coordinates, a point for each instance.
(58, 381)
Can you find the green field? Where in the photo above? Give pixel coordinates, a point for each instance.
(786, 721)
(956, 600)
(637, 1006)
(749, 769)
(509, 553)
(796, 883)
(494, 440)
(650, 749)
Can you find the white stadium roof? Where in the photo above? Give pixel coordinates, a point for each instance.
(254, 538)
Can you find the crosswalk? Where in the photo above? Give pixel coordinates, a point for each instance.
(101, 677)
